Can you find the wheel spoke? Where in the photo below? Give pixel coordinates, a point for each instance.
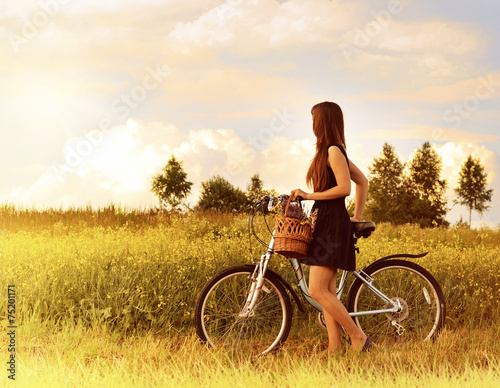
(420, 316)
(218, 314)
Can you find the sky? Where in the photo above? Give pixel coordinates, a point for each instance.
(96, 96)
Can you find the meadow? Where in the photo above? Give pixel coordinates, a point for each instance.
(105, 297)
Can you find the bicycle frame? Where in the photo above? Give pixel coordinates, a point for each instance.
(258, 281)
(299, 273)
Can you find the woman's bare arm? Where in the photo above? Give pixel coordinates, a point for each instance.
(340, 168)
(344, 174)
(361, 182)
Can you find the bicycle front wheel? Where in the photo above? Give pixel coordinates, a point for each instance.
(218, 320)
(422, 304)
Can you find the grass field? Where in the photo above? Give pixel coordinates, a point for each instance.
(105, 298)
(76, 356)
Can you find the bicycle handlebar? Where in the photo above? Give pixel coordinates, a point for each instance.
(261, 206)
(270, 199)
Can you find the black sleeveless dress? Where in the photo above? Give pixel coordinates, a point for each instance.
(332, 244)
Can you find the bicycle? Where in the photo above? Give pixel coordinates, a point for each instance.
(248, 306)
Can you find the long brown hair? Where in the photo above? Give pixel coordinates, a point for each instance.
(328, 126)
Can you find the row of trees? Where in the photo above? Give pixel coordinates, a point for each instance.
(172, 188)
(415, 193)
(218, 193)
(398, 192)
(411, 193)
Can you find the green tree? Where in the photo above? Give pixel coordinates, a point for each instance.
(385, 188)
(256, 191)
(407, 193)
(219, 194)
(171, 186)
(424, 191)
(471, 190)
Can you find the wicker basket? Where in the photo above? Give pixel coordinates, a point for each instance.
(291, 237)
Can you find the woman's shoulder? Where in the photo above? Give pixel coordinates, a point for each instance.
(335, 146)
(336, 150)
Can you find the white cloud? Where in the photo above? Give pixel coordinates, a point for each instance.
(210, 28)
(410, 52)
(429, 37)
(470, 91)
(429, 132)
(120, 166)
(454, 155)
(227, 86)
(265, 24)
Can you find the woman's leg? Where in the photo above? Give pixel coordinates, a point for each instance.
(322, 285)
(332, 326)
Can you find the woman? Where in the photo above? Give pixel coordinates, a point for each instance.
(332, 247)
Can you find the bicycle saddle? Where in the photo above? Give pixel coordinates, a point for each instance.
(363, 228)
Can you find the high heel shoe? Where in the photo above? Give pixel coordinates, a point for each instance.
(368, 344)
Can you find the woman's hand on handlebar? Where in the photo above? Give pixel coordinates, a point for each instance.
(299, 193)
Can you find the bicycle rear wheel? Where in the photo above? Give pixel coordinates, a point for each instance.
(217, 313)
(422, 312)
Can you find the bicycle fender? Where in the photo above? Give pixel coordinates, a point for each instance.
(397, 256)
(286, 285)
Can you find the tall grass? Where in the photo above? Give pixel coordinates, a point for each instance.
(105, 297)
(144, 271)
(17, 218)
(137, 276)
(77, 356)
